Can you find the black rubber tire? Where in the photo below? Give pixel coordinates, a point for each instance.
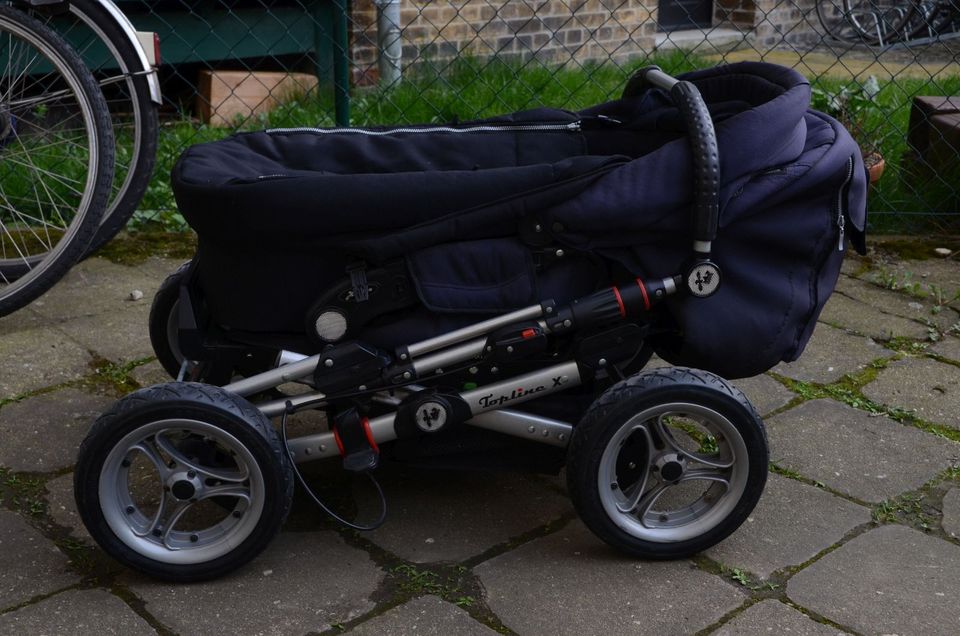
(211, 405)
(43, 271)
(140, 166)
(627, 398)
(163, 310)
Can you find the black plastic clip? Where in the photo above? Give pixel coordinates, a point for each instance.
(358, 280)
(355, 441)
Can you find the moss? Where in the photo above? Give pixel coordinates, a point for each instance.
(135, 248)
(916, 248)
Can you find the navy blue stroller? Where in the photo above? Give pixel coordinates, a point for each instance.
(485, 294)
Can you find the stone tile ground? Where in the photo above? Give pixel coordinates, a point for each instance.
(857, 531)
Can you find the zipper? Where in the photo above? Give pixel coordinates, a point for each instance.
(573, 126)
(841, 218)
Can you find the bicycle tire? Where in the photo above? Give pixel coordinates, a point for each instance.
(94, 24)
(23, 278)
(873, 34)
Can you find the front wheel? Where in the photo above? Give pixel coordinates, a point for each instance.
(183, 481)
(667, 463)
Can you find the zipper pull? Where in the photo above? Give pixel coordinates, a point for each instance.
(574, 126)
(841, 223)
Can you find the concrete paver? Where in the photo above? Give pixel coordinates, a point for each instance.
(949, 347)
(30, 565)
(929, 388)
(871, 458)
(892, 580)
(571, 583)
(830, 354)
(76, 612)
(424, 616)
(451, 516)
(790, 525)
(765, 393)
(63, 508)
(119, 336)
(951, 512)
(919, 308)
(43, 433)
(770, 617)
(303, 582)
(38, 358)
(860, 317)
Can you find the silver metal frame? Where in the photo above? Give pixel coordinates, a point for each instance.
(131, 34)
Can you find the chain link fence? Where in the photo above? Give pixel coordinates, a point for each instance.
(889, 70)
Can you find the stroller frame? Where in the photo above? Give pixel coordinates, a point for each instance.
(353, 377)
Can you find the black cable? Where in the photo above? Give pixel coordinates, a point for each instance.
(303, 482)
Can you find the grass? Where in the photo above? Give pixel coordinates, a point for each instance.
(471, 88)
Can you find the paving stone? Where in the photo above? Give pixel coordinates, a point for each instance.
(571, 583)
(76, 612)
(95, 287)
(949, 347)
(892, 580)
(37, 358)
(774, 618)
(791, 524)
(951, 512)
(451, 516)
(929, 274)
(830, 354)
(427, 615)
(920, 309)
(765, 393)
(30, 565)
(159, 267)
(303, 582)
(63, 508)
(118, 336)
(149, 374)
(42, 433)
(853, 264)
(929, 388)
(22, 320)
(871, 458)
(864, 319)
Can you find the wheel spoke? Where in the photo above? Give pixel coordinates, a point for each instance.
(646, 502)
(706, 475)
(236, 491)
(205, 472)
(149, 448)
(666, 435)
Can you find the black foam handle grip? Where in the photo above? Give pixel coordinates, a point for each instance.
(706, 159)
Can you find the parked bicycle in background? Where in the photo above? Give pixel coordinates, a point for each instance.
(883, 22)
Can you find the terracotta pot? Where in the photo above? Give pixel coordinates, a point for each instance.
(875, 166)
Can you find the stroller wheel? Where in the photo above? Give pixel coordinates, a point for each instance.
(667, 463)
(183, 481)
(165, 322)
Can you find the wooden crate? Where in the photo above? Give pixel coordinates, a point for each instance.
(226, 95)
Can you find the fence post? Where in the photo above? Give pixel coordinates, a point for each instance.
(341, 64)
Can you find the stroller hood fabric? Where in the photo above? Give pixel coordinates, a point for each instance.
(613, 181)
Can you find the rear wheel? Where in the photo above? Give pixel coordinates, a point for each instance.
(164, 323)
(667, 463)
(183, 481)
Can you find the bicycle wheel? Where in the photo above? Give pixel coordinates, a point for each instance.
(880, 21)
(115, 63)
(56, 158)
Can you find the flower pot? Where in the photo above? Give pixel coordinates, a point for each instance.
(875, 166)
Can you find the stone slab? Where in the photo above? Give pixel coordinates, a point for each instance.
(830, 354)
(452, 516)
(951, 512)
(792, 523)
(892, 580)
(871, 458)
(765, 393)
(149, 374)
(773, 618)
(949, 348)
(930, 273)
(424, 616)
(96, 287)
(160, 267)
(22, 320)
(63, 509)
(76, 612)
(42, 433)
(30, 565)
(118, 336)
(920, 309)
(572, 583)
(38, 358)
(860, 317)
(303, 582)
(929, 388)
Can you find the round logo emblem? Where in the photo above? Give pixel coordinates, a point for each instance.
(703, 280)
(431, 416)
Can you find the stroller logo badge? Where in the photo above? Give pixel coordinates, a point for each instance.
(491, 400)
(431, 417)
(703, 280)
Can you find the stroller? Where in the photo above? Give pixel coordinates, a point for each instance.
(485, 294)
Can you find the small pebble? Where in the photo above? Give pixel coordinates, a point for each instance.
(136, 294)
(942, 251)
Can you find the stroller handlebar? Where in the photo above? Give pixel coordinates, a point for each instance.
(703, 145)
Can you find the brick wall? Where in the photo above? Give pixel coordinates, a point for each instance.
(772, 22)
(552, 30)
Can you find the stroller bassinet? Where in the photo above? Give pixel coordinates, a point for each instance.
(435, 291)
(282, 214)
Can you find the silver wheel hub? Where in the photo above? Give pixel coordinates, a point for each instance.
(670, 466)
(184, 485)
